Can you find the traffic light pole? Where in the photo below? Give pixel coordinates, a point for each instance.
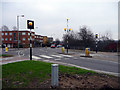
(67, 36)
(30, 46)
(96, 45)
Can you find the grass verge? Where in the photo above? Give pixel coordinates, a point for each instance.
(6, 55)
(21, 74)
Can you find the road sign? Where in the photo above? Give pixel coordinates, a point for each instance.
(30, 24)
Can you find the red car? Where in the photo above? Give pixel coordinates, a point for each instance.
(53, 46)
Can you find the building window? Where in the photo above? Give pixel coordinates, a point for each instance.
(5, 39)
(23, 33)
(10, 39)
(23, 39)
(28, 33)
(28, 39)
(2, 33)
(10, 33)
(2, 39)
(32, 34)
(6, 34)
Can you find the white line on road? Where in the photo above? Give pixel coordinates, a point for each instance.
(35, 57)
(56, 56)
(44, 56)
(57, 59)
(66, 55)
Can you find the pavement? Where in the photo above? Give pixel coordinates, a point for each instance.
(101, 62)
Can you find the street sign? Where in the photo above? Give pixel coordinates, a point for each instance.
(30, 24)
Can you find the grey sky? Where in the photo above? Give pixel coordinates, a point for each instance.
(50, 15)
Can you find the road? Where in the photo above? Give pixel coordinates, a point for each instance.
(54, 54)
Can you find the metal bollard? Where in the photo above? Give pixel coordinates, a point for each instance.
(54, 75)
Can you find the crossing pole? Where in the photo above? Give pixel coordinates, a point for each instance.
(67, 35)
(30, 46)
(96, 46)
(30, 25)
(67, 29)
(96, 42)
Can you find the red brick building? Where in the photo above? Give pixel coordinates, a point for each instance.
(10, 38)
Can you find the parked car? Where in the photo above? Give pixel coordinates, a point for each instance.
(53, 46)
(58, 46)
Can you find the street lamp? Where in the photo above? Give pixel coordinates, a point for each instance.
(67, 30)
(18, 26)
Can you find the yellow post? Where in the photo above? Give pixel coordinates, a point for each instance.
(62, 49)
(86, 51)
(6, 49)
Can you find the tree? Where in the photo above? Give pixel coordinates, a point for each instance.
(106, 36)
(86, 37)
(5, 28)
(14, 28)
(57, 41)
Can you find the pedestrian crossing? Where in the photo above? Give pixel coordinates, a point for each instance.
(45, 56)
(53, 57)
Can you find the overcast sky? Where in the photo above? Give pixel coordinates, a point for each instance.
(100, 16)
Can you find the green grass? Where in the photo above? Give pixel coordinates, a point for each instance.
(28, 71)
(6, 55)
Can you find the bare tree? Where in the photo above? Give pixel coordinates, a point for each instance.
(106, 36)
(5, 28)
(86, 37)
(14, 28)
(57, 41)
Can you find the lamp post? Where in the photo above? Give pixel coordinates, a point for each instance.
(67, 30)
(18, 26)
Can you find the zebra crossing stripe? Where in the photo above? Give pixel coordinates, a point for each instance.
(35, 57)
(66, 55)
(44, 56)
(57, 59)
(56, 56)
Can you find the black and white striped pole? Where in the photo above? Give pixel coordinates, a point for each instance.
(96, 36)
(67, 34)
(30, 25)
(30, 46)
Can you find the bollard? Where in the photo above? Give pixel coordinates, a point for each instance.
(54, 75)
(87, 51)
(62, 49)
(6, 49)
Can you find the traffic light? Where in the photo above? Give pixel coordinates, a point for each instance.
(96, 35)
(69, 29)
(30, 24)
(65, 29)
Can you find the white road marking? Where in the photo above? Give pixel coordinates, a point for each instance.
(66, 58)
(44, 56)
(66, 55)
(75, 58)
(56, 56)
(35, 57)
(57, 59)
